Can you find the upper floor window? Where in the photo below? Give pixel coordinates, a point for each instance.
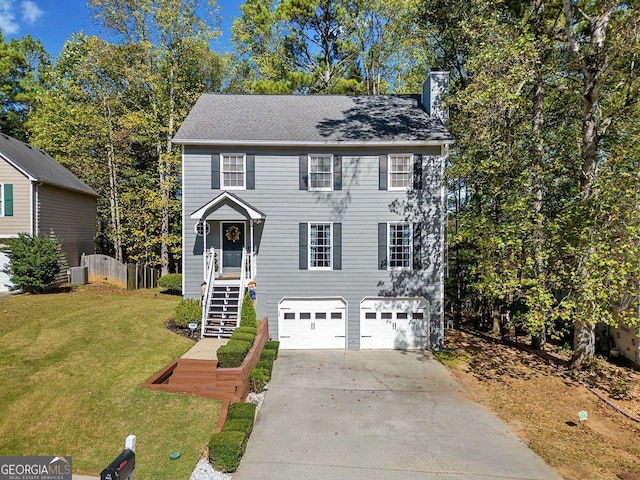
(400, 172)
(233, 171)
(320, 172)
(320, 245)
(400, 246)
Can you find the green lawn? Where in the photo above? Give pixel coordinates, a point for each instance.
(70, 366)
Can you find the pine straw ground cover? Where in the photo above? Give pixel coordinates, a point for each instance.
(539, 399)
(70, 365)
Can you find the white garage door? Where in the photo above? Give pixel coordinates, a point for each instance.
(394, 323)
(4, 278)
(312, 323)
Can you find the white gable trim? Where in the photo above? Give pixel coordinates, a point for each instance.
(252, 212)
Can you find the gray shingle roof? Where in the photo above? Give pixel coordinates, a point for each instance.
(40, 166)
(309, 119)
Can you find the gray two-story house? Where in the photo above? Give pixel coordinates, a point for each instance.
(329, 210)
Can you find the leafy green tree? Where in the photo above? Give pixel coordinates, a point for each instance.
(24, 64)
(34, 262)
(175, 65)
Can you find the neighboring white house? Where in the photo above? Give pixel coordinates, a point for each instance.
(329, 209)
(40, 196)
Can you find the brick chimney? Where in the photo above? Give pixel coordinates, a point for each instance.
(434, 88)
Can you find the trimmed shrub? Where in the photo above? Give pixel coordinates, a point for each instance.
(232, 354)
(268, 355)
(267, 365)
(244, 425)
(241, 410)
(259, 378)
(272, 345)
(172, 283)
(226, 450)
(252, 330)
(34, 262)
(248, 317)
(188, 310)
(245, 337)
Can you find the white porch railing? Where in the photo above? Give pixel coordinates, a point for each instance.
(210, 278)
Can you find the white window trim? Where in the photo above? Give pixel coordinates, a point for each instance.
(410, 225)
(389, 172)
(309, 246)
(244, 172)
(2, 200)
(309, 172)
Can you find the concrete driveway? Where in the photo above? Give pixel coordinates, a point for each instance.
(378, 415)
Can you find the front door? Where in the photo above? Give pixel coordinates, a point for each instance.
(232, 243)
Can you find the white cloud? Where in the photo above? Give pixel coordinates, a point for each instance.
(30, 11)
(8, 24)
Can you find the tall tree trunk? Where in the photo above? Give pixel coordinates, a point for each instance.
(539, 338)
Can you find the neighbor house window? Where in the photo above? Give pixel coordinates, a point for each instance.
(400, 171)
(6, 200)
(233, 171)
(320, 245)
(399, 245)
(320, 172)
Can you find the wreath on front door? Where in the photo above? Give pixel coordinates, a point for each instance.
(232, 233)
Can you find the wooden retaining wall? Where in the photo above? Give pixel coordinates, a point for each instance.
(205, 379)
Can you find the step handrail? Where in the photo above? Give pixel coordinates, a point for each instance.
(242, 285)
(210, 278)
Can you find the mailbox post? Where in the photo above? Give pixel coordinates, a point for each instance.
(124, 464)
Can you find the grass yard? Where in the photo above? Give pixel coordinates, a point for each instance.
(70, 366)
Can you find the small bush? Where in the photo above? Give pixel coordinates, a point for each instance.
(272, 345)
(241, 410)
(226, 450)
(188, 310)
(244, 425)
(252, 330)
(245, 337)
(34, 262)
(259, 379)
(172, 283)
(248, 317)
(268, 355)
(232, 354)
(267, 365)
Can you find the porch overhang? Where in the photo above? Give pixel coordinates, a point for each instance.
(227, 198)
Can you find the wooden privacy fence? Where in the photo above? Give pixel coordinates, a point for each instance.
(102, 268)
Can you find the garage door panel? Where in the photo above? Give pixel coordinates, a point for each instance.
(312, 324)
(4, 278)
(393, 324)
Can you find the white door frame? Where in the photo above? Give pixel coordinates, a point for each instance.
(244, 242)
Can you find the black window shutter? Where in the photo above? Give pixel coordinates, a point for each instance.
(417, 172)
(251, 172)
(215, 171)
(337, 246)
(304, 172)
(417, 246)
(337, 172)
(382, 246)
(383, 173)
(303, 242)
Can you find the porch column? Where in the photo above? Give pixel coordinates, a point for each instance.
(251, 232)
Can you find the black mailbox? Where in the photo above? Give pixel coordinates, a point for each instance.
(121, 467)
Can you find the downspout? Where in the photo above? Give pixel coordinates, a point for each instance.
(35, 209)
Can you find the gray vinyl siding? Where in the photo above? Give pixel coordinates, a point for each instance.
(20, 222)
(70, 217)
(359, 206)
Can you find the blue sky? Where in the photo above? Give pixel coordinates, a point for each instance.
(53, 21)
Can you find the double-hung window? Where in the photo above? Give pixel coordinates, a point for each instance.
(233, 171)
(400, 246)
(321, 172)
(400, 171)
(320, 246)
